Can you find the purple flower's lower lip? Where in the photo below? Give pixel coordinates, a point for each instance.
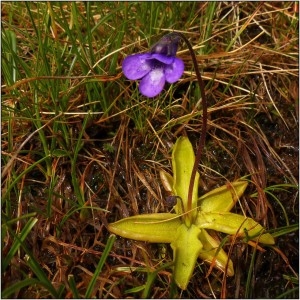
(153, 83)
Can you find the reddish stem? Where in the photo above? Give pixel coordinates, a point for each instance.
(204, 123)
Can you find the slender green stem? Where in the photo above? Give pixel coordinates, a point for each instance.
(204, 122)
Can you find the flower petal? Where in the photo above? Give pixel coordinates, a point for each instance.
(174, 71)
(153, 83)
(136, 66)
(163, 58)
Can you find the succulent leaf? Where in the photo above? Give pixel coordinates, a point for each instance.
(222, 199)
(183, 159)
(167, 181)
(234, 224)
(154, 228)
(212, 253)
(186, 248)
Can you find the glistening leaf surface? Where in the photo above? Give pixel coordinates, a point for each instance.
(222, 199)
(183, 159)
(186, 248)
(230, 223)
(154, 228)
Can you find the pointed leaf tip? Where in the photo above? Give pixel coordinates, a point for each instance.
(183, 159)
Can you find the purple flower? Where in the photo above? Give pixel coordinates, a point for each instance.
(155, 68)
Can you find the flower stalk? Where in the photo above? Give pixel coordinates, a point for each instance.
(202, 137)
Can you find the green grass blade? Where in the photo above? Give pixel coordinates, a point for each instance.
(38, 271)
(109, 245)
(290, 294)
(16, 180)
(13, 221)
(284, 230)
(18, 242)
(151, 276)
(248, 291)
(18, 285)
(9, 49)
(78, 146)
(73, 287)
(207, 27)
